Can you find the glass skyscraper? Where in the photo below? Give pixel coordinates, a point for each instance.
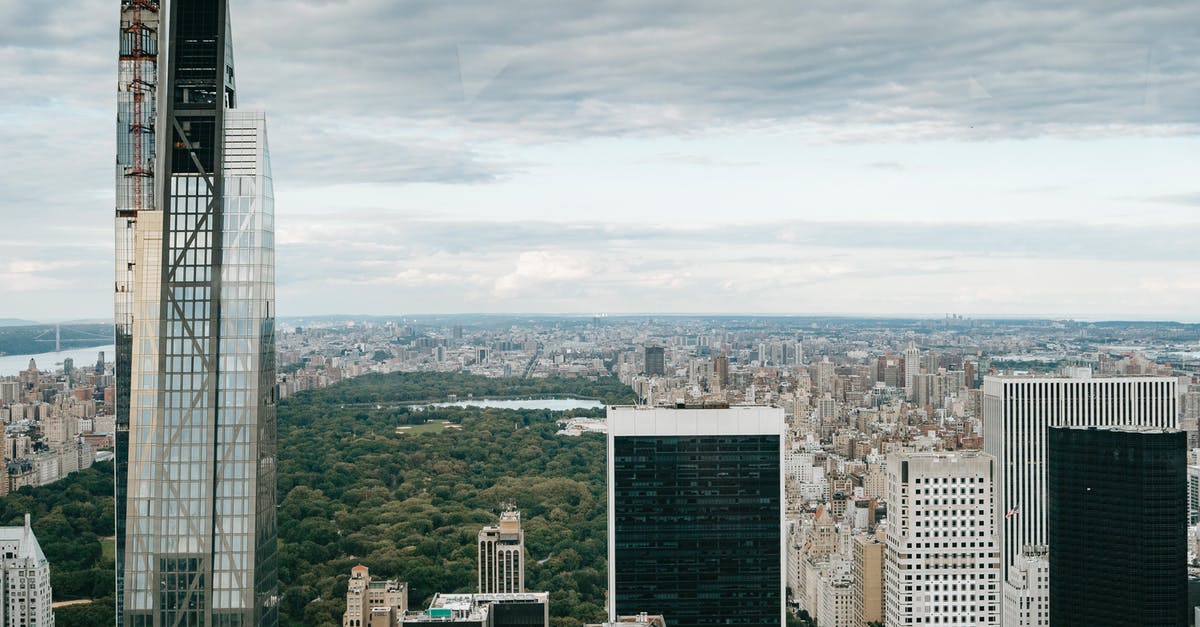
(1118, 526)
(200, 534)
(695, 507)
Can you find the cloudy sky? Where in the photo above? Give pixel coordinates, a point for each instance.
(837, 156)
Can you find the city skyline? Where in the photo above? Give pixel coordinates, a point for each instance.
(818, 159)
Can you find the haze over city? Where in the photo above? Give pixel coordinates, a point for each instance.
(658, 157)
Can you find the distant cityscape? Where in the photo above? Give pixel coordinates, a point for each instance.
(951, 400)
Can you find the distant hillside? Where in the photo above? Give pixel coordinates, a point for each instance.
(16, 322)
(40, 338)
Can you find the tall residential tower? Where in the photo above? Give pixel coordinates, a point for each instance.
(200, 535)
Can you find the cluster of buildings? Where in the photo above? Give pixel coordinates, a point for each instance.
(51, 418)
(501, 599)
(1073, 512)
(963, 532)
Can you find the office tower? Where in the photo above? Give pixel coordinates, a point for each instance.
(502, 555)
(695, 514)
(721, 370)
(1193, 494)
(1017, 411)
(1118, 526)
(1027, 590)
(372, 602)
(137, 84)
(24, 578)
(866, 553)
(200, 536)
(656, 361)
(912, 368)
(942, 563)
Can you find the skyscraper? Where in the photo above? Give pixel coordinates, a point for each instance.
(502, 555)
(1118, 526)
(912, 368)
(137, 85)
(942, 563)
(1018, 411)
(200, 536)
(695, 514)
(656, 360)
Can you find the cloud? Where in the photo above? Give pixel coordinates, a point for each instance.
(540, 269)
(1191, 200)
(375, 92)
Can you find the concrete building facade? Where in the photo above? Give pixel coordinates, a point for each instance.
(502, 555)
(942, 561)
(1017, 413)
(373, 602)
(24, 578)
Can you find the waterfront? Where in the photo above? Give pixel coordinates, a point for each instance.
(13, 364)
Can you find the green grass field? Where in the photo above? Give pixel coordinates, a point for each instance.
(108, 549)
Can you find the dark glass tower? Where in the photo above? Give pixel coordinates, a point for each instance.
(1117, 526)
(695, 515)
(656, 363)
(200, 535)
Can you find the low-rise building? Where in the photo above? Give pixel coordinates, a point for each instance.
(373, 602)
(523, 609)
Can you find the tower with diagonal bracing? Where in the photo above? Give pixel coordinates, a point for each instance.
(200, 535)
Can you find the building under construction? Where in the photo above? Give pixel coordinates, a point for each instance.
(137, 87)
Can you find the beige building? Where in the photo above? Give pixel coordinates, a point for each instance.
(941, 558)
(373, 603)
(1027, 591)
(502, 555)
(867, 559)
(835, 604)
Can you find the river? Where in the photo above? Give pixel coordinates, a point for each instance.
(12, 364)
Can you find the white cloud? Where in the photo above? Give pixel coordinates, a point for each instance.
(537, 269)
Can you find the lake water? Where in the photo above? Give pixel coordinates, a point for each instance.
(552, 404)
(12, 364)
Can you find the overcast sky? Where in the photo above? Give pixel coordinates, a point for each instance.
(1025, 158)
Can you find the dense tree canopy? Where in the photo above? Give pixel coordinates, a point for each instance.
(407, 503)
(70, 518)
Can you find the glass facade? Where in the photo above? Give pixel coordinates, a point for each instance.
(200, 512)
(1118, 526)
(697, 528)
